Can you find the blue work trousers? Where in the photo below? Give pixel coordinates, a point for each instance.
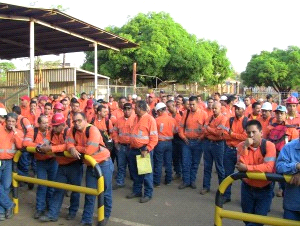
(229, 162)
(177, 155)
(5, 182)
(123, 159)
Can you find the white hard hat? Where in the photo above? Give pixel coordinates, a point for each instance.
(160, 105)
(223, 98)
(3, 112)
(267, 106)
(134, 96)
(240, 105)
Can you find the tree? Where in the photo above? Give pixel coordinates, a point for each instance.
(279, 69)
(5, 66)
(166, 50)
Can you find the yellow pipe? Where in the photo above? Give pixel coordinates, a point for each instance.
(256, 175)
(17, 156)
(225, 183)
(218, 219)
(15, 200)
(257, 218)
(54, 184)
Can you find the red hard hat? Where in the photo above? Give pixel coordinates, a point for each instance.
(59, 106)
(292, 100)
(57, 119)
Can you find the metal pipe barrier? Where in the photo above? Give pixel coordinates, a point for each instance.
(222, 213)
(99, 191)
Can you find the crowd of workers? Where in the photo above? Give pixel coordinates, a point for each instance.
(175, 131)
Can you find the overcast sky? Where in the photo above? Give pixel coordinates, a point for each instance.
(243, 27)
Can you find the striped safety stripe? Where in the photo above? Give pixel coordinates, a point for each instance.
(165, 137)
(269, 159)
(90, 143)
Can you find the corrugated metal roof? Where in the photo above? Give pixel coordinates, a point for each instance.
(53, 31)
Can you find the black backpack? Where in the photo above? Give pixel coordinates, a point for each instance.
(244, 122)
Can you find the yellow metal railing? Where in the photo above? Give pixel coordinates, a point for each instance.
(99, 191)
(222, 213)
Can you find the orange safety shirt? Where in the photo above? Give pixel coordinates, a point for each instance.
(58, 145)
(209, 112)
(294, 123)
(30, 142)
(25, 111)
(177, 118)
(101, 125)
(118, 113)
(93, 146)
(122, 129)
(33, 117)
(238, 132)
(202, 105)
(255, 162)
(166, 127)
(214, 131)
(225, 112)
(10, 143)
(26, 123)
(144, 132)
(90, 113)
(248, 110)
(113, 106)
(194, 125)
(83, 103)
(65, 112)
(265, 123)
(253, 117)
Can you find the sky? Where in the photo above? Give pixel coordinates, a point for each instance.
(244, 27)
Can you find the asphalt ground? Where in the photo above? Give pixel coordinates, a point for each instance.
(168, 207)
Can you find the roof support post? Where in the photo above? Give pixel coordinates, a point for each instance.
(32, 58)
(95, 70)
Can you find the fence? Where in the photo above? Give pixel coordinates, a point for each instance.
(222, 213)
(99, 192)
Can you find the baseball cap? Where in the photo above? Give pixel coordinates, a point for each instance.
(159, 106)
(240, 105)
(134, 96)
(89, 103)
(223, 98)
(25, 97)
(151, 95)
(267, 106)
(281, 109)
(127, 106)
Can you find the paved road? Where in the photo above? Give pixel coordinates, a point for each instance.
(169, 206)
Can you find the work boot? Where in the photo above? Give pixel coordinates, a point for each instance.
(38, 214)
(10, 212)
(144, 199)
(204, 191)
(182, 186)
(132, 195)
(193, 185)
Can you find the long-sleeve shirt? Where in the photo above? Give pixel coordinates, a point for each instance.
(144, 132)
(166, 127)
(10, 143)
(286, 163)
(93, 145)
(214, 131)
(255, 162)
(238, 132)
(118, 113)
(122, 129)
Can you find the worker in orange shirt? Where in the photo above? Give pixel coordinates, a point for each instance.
(201, 103)
(12, 140)
(209, 108)
(34, 114)
(269, 98)
(234, 133)
(179, 103)
(224, 110)
(87, 139)
(41, 103)
(213, 147)
(24, 104)
(176, 142)
(89, 111)
(166, 128)
(256, 195)
(216, 96)
(75, 108)
(230, 105)
(55, 100)
(151, 101)
(256, 111)
(134, 99)
(144, 138)
(118, 112)
(83, 101)
(248, 106)
(70, 170)
(3, 114)
(293, 117)
(190, 131)
(66, 107)
(113, 105)
(121, 137)
(266, 118)
(46, 164)
(48, 111)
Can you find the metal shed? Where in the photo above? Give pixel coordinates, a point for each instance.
(54, 81)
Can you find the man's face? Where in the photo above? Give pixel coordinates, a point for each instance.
(84, 96)
(57, 129)
(137, 110)
(10, 122)
(266, 114)
(171, 107)
(199, 99)
(103, 113)
(193, 106)
(47, 110)
(216, 97)
(79, 122)
(33, 107)
(65, 105)
(239, 112)
(253, 132)
(179, 101)
(280, 116)
(257, 110)
(111, 99)
(216, 108)
(23, 102)
(42, 102)
(247, 101)
(283, 102)
(57, 111)
(187, 105)
(127, 112)
(150, 98)
(210, 103)
(121, 103)
(75, 107)
(164, 99)
(129, 97)
(223, 103)
(44, 124)
(291, 108)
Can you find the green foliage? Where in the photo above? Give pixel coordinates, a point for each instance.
(279, 69)
(5, 66)
(166, 50)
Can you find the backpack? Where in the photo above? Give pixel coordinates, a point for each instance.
(23, 126)
(64, 134)
(244, 122)
(263, 147)
(277, 135)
